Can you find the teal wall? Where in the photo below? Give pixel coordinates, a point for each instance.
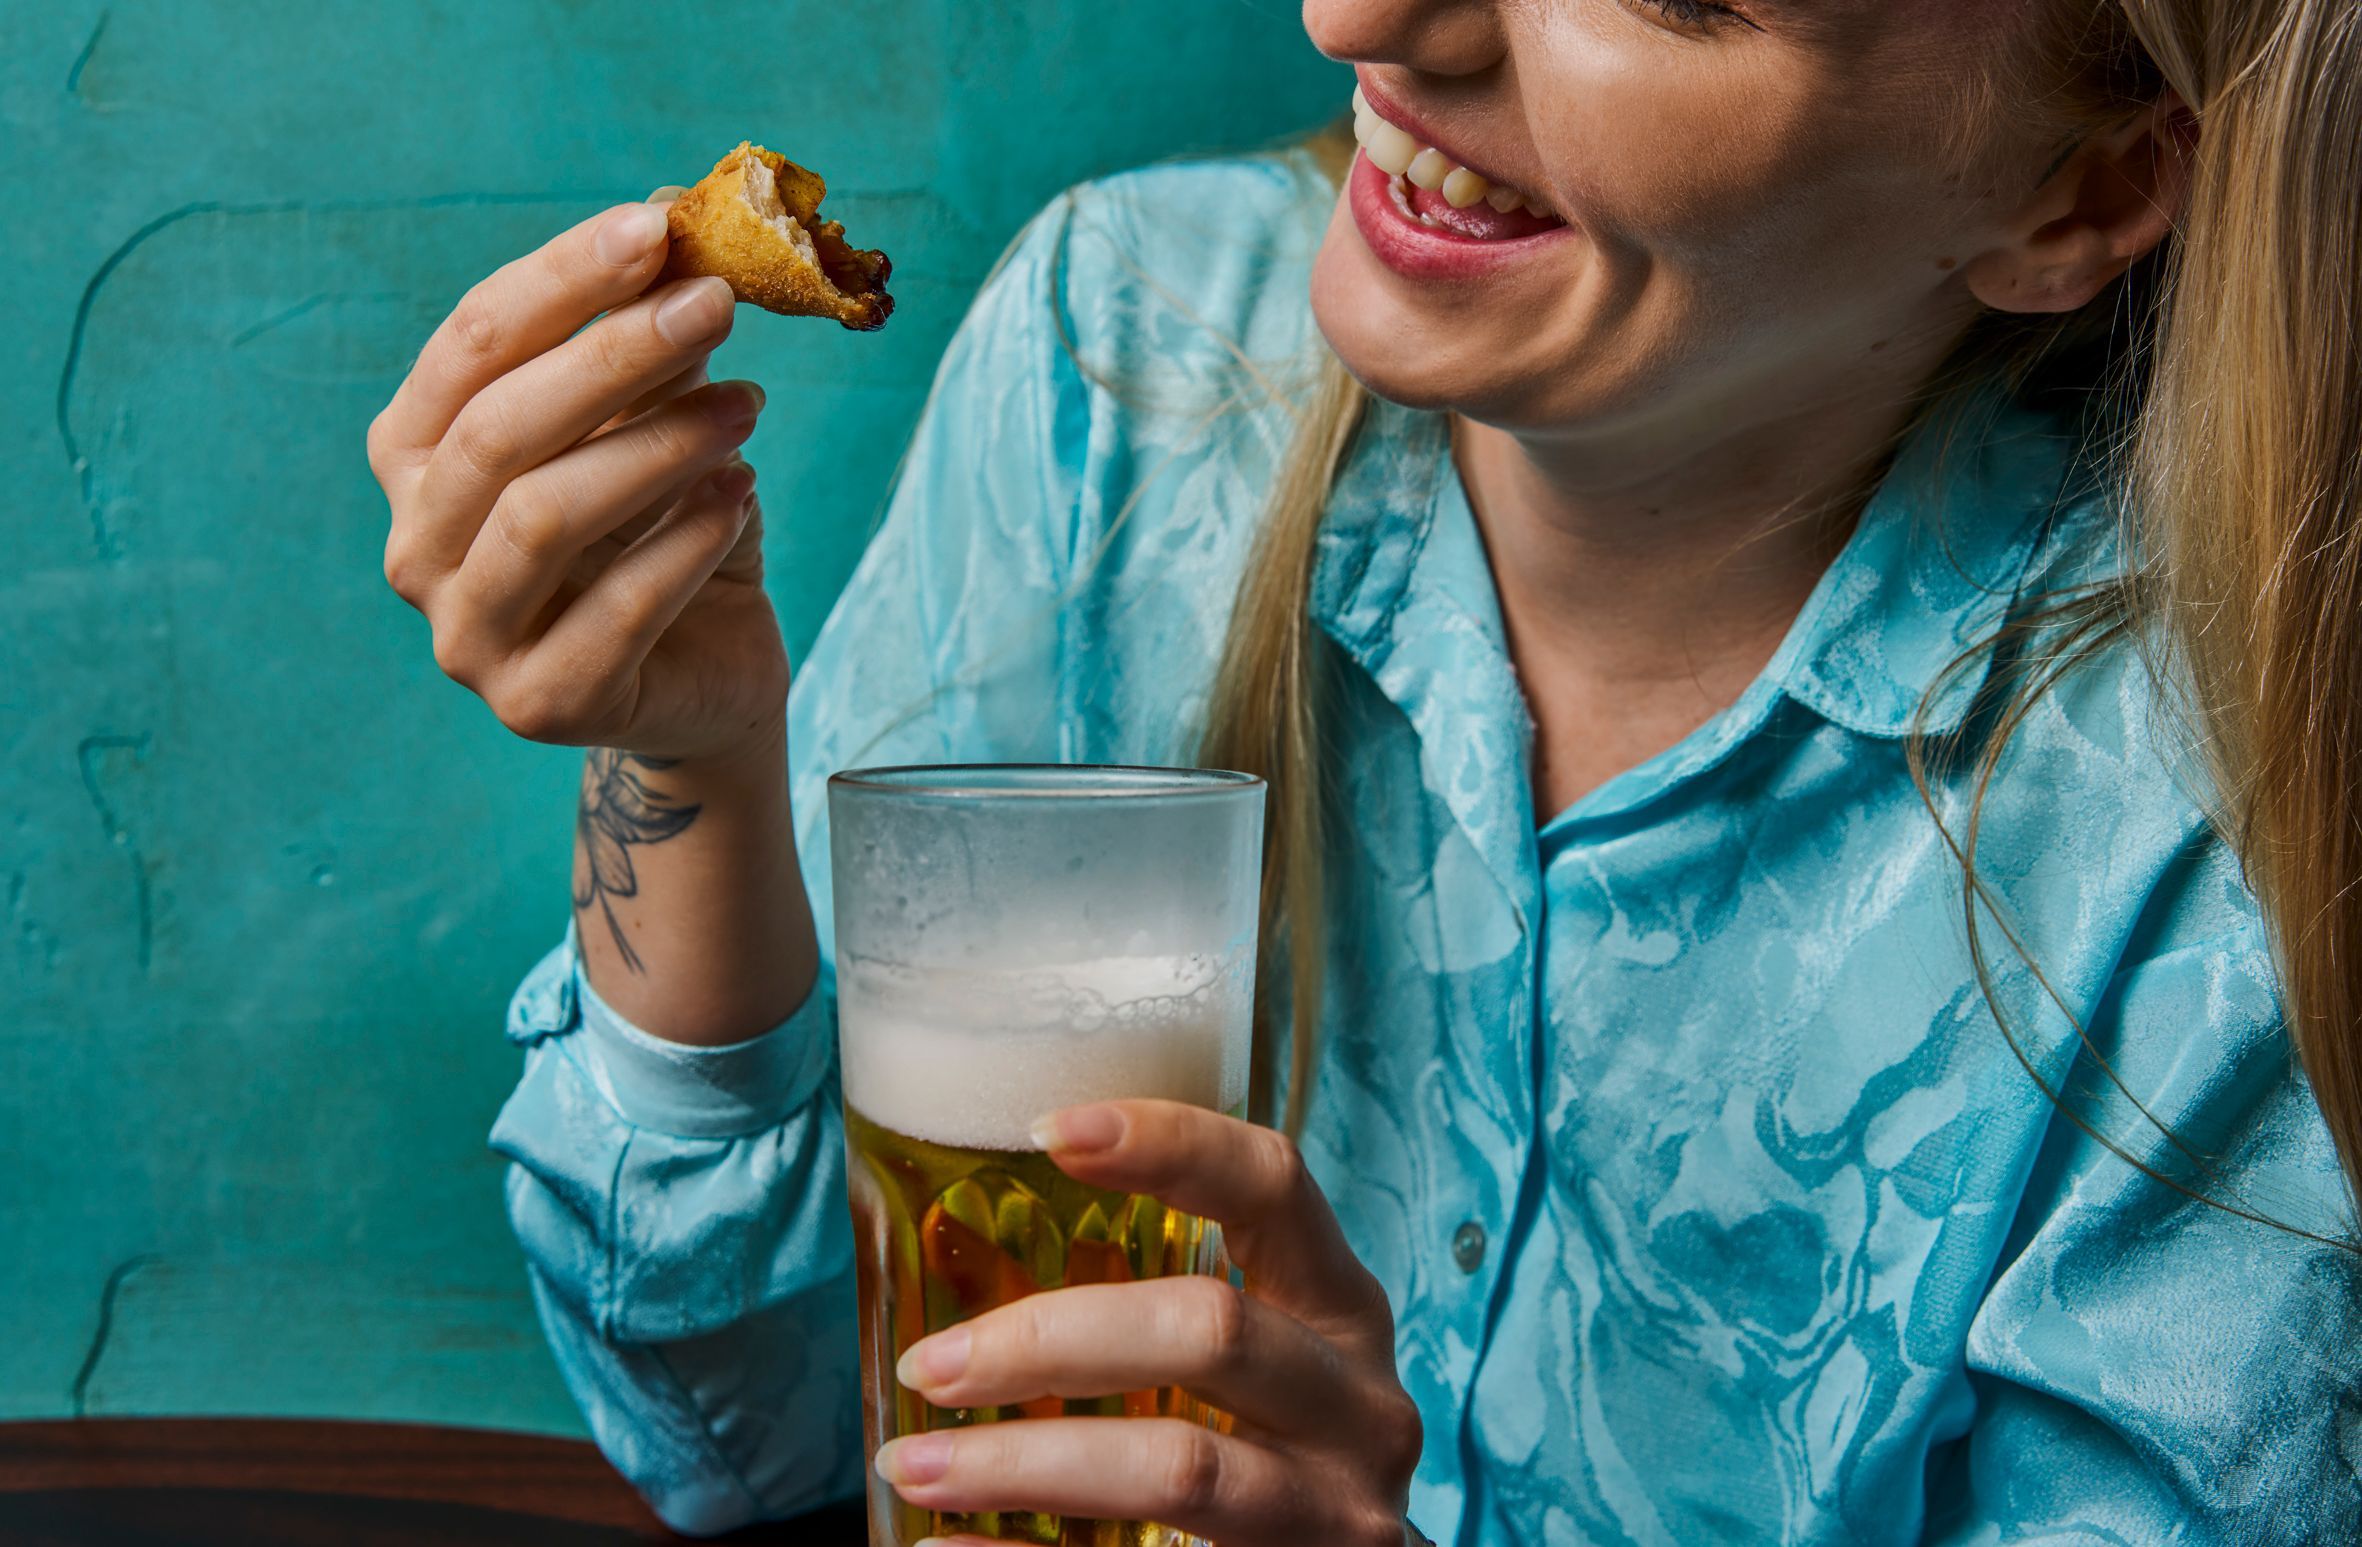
(265, 878)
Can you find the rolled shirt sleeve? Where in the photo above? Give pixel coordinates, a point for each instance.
(682, 1215)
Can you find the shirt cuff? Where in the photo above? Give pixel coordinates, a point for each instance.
(700, 1092)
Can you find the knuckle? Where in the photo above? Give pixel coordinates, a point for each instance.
(477, 330)
(714, 521)
(1014, 1339)
(1217, 1314)
(1366, 1298)
(455, 655)
(380, 446)
(1401, 1435)
(614, 352)
(485, 439)
(672, 439)
(1283, 1163)
(1376, 1529)
(532, 712)
(531, 520)
(401, 572)
(634, 611)
(1189, 1476)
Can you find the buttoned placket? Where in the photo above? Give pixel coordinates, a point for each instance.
(1404, 590)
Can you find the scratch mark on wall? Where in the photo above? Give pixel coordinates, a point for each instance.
(101, 535)
(80, 1395)
(88, 754)
(307, 304)
(74, 76)
(35, 945)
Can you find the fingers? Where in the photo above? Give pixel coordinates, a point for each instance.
(521, 310)
(663, 392)
(544, 520)
(581, 683)
(1256, 1363)
(1275, 1221)
(1173, 1472)
(554, 400)
(666, 194)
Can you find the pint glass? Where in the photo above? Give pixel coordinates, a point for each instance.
(1011, 940)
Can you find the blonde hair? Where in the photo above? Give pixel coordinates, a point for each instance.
(2246, 478)
(2234, 359)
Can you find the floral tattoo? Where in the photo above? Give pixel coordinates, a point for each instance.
(618, 810)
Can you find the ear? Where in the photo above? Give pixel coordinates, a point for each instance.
(2107, 206)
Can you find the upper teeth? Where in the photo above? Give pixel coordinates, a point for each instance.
(1394, 152)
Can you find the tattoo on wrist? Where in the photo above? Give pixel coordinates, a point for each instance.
(619, 809)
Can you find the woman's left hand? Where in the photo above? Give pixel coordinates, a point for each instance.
(1324, 1438)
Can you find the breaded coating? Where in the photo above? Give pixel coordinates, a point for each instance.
(754, 221)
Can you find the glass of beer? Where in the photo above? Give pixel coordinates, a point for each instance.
(1012, 940)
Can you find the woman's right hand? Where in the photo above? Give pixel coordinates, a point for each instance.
(569, 511)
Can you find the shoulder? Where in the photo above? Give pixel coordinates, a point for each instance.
(2100, 822)
(2103, 761)
(1176, 275)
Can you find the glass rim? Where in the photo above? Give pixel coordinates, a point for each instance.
(978, 782)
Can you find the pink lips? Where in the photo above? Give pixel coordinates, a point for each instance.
(1466, 245)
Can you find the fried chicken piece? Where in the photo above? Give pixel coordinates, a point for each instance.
(754, 221)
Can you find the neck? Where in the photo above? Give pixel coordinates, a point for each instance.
(1644, 583)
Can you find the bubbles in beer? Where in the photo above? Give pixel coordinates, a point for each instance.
(971, 1056)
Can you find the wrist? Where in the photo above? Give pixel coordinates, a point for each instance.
(758, 752)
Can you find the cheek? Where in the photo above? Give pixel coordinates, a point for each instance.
(1737, 171)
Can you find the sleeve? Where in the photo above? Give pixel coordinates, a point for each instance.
(2147, 1367)
(682, 1210)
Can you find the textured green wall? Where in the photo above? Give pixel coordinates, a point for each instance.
(267, 879)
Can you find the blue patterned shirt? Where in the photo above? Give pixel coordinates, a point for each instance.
(1713, 1201)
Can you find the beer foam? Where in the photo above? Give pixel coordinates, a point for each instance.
(971, 1057)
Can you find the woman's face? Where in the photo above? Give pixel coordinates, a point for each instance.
(1758, 206)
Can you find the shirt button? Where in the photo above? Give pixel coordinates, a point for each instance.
(1468, 1246)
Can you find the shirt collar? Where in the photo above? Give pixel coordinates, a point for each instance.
(1401, 583)
(1932, 568)
(1906, 614)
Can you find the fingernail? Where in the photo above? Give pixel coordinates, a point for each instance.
(931, 1361)
(914, 1459)
(734, 482)
(667, 194)
(629, 234)
(736, 404)
(694, 312)
(1080, 1130)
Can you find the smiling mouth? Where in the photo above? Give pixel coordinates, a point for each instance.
(1431, 188)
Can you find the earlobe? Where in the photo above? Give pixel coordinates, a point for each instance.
(2110, 204)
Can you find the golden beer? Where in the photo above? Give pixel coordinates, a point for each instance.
(942, 1234)
(1012, 940)
(955, 1212)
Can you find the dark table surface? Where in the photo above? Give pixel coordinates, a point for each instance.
(267, 1482)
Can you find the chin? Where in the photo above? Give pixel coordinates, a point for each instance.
(1393, 346)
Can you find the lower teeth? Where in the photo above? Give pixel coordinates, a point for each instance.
(1400, 187)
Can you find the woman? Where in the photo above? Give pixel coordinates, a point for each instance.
(1781, 1047)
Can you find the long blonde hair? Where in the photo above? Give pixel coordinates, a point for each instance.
(2239, 463)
